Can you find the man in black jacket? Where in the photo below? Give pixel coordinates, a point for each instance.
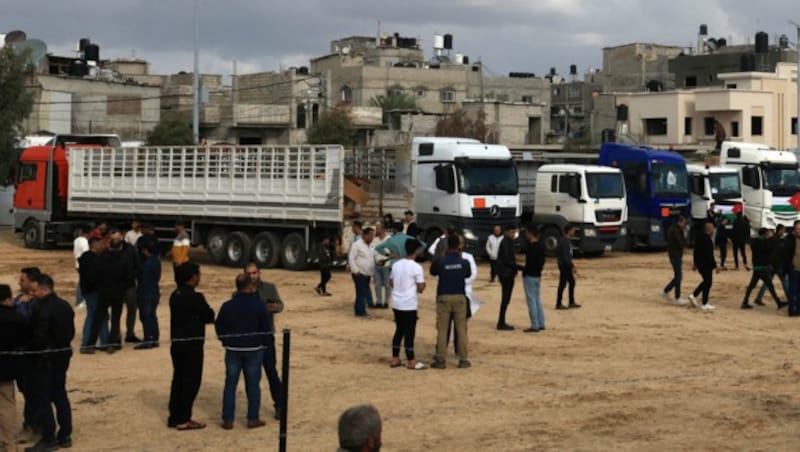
(52, 330)
(14, 332)
(531, 278)
(115, 269)
(566, 269)
(705, 264)
(776, 242)
(762, 269)
(507, 273)
(675, 244)
(189, 313)
(791, 265)
(87, 271)
(741, 237)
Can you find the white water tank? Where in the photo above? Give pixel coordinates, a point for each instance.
(459, 58)
(438, 42)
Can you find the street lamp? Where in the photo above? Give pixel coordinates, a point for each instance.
(196, 77)
(797, 76)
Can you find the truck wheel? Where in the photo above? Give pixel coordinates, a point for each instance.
(237, 249)
(550, 237)
(293, 252)
(216, 242)
(32, 235)
(266, 250)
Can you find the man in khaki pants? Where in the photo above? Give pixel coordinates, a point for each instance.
(13, 334)
(451, 298)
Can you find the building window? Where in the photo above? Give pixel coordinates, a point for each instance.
(731, 86)
(394, 91)
(528, 99)
(577, 110)
(656, 126)
(687, 125)
(690, 82)
(734, 128)
(556, 91)
(346, 94)
(447, 95)
(756, 126)
(708, 126)
(420, 92)
(574, 92)
(794, 126)
(301, 116)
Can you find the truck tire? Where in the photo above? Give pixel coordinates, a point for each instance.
(266, 250)
(216, 242)
(33, 237)
(550, 237)
(293, 252)
(238, 248)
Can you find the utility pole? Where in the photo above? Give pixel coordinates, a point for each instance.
(797, 76)
(480, 66)
(196, 77)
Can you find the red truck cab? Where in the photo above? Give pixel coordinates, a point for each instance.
(40, 196)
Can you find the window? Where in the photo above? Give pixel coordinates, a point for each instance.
(690, 82)
(554, 183)
(420, 92)
(394, 91)
(734, 128)
(757, 126)
(656, 126)
(605, 185)
(301, 116)
(573, 92)
(687, 125)
(556, 91)
(731, 86)
(528, 99)
(27, 172)
(563, 184)
(794, 126)
(346, 94)
(708, 126)
(447, 95)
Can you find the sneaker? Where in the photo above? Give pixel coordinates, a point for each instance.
(227, 425)
(132, 339)
(327, 294)
(439, 365)
(782, 304)
(318, 291)
(81, 305)
(143, 346)
(87, 351)
(43, 446)
(277, 414)
(759, 302)
(574, 306)
(693, 301)
(505, 327)
(746, 306)
(707, 308)
(665, 296)
(65, 443)
(464, 364)
(680, 302)
(255, 423)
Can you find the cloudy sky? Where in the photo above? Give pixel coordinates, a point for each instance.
(508, 35)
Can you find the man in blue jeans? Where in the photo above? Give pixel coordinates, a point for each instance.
(532, 276)
(361, 260)
(791, 265)
(148, 295)
(87, 272)
(243, 325)
(676, 241)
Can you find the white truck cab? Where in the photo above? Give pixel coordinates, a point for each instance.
(717, 185)
(465, 184)
(590, 198)
(769, 179)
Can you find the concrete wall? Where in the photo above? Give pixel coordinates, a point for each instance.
(624, 70)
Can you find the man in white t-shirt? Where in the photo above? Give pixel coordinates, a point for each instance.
(408, 281)
(133, 235)
(79, 246)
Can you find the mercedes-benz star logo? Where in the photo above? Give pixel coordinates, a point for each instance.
(494, 211)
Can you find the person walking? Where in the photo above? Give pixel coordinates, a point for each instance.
(268, 294)
(180, 248)
(362, 265)
(148, 296)
(131, 297)
(407, 281)
(243, 325)
(189, 314)
(14, 334)
(325, 265)
(52, 331)
(776, 242)
(566, 269)
(676, 242)
(706, 265)
(115, 269)
(721, 239)
(79, 246)
(761, 253)
(741, 237)
(791, 264)
(452, 270)
(492, 248)
(507, 272)
(531, 278)
(383, 289)
(89, 287)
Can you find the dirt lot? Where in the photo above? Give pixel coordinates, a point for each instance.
(625, 372)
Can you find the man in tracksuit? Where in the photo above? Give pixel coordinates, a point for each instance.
(452, 271)
(761, 268)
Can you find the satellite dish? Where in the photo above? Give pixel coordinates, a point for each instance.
(35, 49)
(15, 36)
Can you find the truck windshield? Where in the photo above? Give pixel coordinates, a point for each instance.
(605, 185)
(782, 180)
(487, 177)
(670, 180)
(725, 186)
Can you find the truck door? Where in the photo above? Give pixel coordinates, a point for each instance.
(700, 196)
(753, 192)
(30, 189)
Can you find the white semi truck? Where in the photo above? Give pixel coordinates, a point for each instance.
(717, 185)
(591, 198)
(769, 179)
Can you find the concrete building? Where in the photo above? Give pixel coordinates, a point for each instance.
(758, 107)
(571, 108)
(638, 67)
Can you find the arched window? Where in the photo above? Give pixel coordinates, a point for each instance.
(301, 116)
(346, 94)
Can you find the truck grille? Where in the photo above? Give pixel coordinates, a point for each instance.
(607, 216)
(483, 221)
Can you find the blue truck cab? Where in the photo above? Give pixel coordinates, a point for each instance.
(657, 186)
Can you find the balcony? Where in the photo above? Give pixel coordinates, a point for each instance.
(262, 115)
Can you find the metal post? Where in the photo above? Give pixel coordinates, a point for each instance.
(382, 165)
(196, 77)
(797, 74)
(287, 335)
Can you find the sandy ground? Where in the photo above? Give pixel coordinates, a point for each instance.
(625, 372)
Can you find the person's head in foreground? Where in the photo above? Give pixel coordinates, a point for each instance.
(360, 429)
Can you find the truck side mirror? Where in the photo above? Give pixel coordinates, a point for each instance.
(574, 187)
(444, 178)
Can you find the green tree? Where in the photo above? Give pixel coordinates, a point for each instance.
(16, 104)
(394, 101)
(335, 126)
(171, 132)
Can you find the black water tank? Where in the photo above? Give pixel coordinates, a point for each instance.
(302, 70)
(465, 60)
(622, 112)
(91, 52)
(78, 68)
(608, 136)
(747, 62)
(783, 42)
(762, 42)
(448, 41)
(704, 29)
(573, 69)
(552, 71)
(82, 43)
(721, 42)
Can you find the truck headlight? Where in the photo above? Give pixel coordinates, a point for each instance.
(623, 231)
(590, 232)
(469, 235)
(655, 228)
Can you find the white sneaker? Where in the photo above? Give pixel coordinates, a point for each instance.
(693, 301)
(665, 296)
(82, 305)
(681, 302)
(708, 308)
